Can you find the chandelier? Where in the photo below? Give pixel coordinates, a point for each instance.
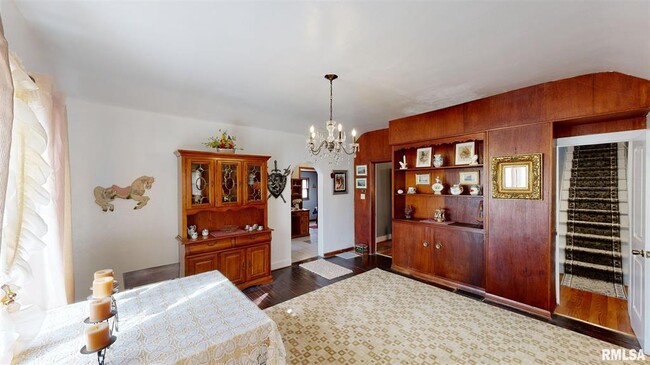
(331, 145)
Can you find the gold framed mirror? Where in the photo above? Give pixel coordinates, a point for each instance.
(517, 176)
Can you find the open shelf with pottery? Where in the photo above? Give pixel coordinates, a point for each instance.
(413, 185)
(442, 239)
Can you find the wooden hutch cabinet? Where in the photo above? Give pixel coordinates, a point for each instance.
(223, 193)
(452, 252)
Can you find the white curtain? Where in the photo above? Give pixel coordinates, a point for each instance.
(35, 251)
(6, 120)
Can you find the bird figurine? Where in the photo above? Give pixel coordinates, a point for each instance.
(402, 164)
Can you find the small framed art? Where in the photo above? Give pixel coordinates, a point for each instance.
(340, 181)
(422, 179)
(362, 170)
(468, 177)
(464, 153)
(361, 183)
(424, 157)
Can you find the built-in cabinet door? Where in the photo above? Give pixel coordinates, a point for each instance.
(459, 256)
(422, 252)
(232, 264)
(199, 187)
(254, 183)
(412, 247)
(229, 183)
(401, 232)
(258, 262)
(200, 264)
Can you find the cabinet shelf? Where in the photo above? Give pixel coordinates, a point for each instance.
(476, 228)
(443, 195)
(451, 167)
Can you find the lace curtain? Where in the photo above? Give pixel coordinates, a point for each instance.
(35, 246)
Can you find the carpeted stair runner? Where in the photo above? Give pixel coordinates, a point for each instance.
(593, 242)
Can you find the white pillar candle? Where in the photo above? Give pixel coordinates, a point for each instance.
(97, 336)
(99, 309)
(103, 287)
(104, 273)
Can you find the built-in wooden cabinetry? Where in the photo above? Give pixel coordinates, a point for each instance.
(223, 193)
(449, 255)
(451, 252)
(513, 257)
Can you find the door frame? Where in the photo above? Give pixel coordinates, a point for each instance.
(616, 137)
(371, 194)
(374, 231)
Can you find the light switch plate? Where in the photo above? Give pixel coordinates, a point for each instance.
(363, 196)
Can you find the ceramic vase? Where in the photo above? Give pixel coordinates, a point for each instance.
(437, 160)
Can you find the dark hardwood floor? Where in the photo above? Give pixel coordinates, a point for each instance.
(292, 281)
(385, 248)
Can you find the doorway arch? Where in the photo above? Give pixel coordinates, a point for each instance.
(306, 194)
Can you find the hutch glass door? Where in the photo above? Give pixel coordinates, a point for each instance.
(229, 186)
(200, 182)
(254, 188)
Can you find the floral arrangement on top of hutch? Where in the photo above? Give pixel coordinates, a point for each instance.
(223, 196)
(436, 233)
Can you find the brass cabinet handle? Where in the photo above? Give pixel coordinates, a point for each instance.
(211, 243)
(438, 245)
(425, 244)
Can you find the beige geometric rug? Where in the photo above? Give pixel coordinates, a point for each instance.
(383, 318)
(325, 269)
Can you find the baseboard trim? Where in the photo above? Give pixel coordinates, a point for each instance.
(281, 264)
(383, 238)
(334, 253)
(495, 299)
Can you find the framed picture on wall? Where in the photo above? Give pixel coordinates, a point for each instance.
(468, 177)
(422, 179)
(362, 170)
(423, 158)
(464, 153)
(361, 183)
(339, 181)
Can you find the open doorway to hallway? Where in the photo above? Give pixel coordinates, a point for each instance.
(383, 198)
(304, 213)
(593, 235)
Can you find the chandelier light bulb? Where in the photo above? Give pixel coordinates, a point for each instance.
(354, 132)
(340, 127)
(311, 129)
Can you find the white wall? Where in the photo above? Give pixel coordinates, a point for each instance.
(22, 40)
(113, 145)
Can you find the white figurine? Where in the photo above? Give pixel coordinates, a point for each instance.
(402, 164)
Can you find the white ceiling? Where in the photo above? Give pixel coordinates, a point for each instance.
(262, 63)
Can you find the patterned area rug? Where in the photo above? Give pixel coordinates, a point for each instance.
(593, 243)
(347, 255)
(383, 318)
(325, 269)
(591, 285)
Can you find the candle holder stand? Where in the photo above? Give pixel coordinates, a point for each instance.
(113, 326)
(101, 353)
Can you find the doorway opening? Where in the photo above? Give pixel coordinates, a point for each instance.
(304, 213)
(593, 232)
(383, 198)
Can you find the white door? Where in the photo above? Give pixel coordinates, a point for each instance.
(638, 306)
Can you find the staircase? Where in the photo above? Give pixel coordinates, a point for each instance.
(590, 220)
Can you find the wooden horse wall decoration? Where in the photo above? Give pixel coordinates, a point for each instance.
(104, 196)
